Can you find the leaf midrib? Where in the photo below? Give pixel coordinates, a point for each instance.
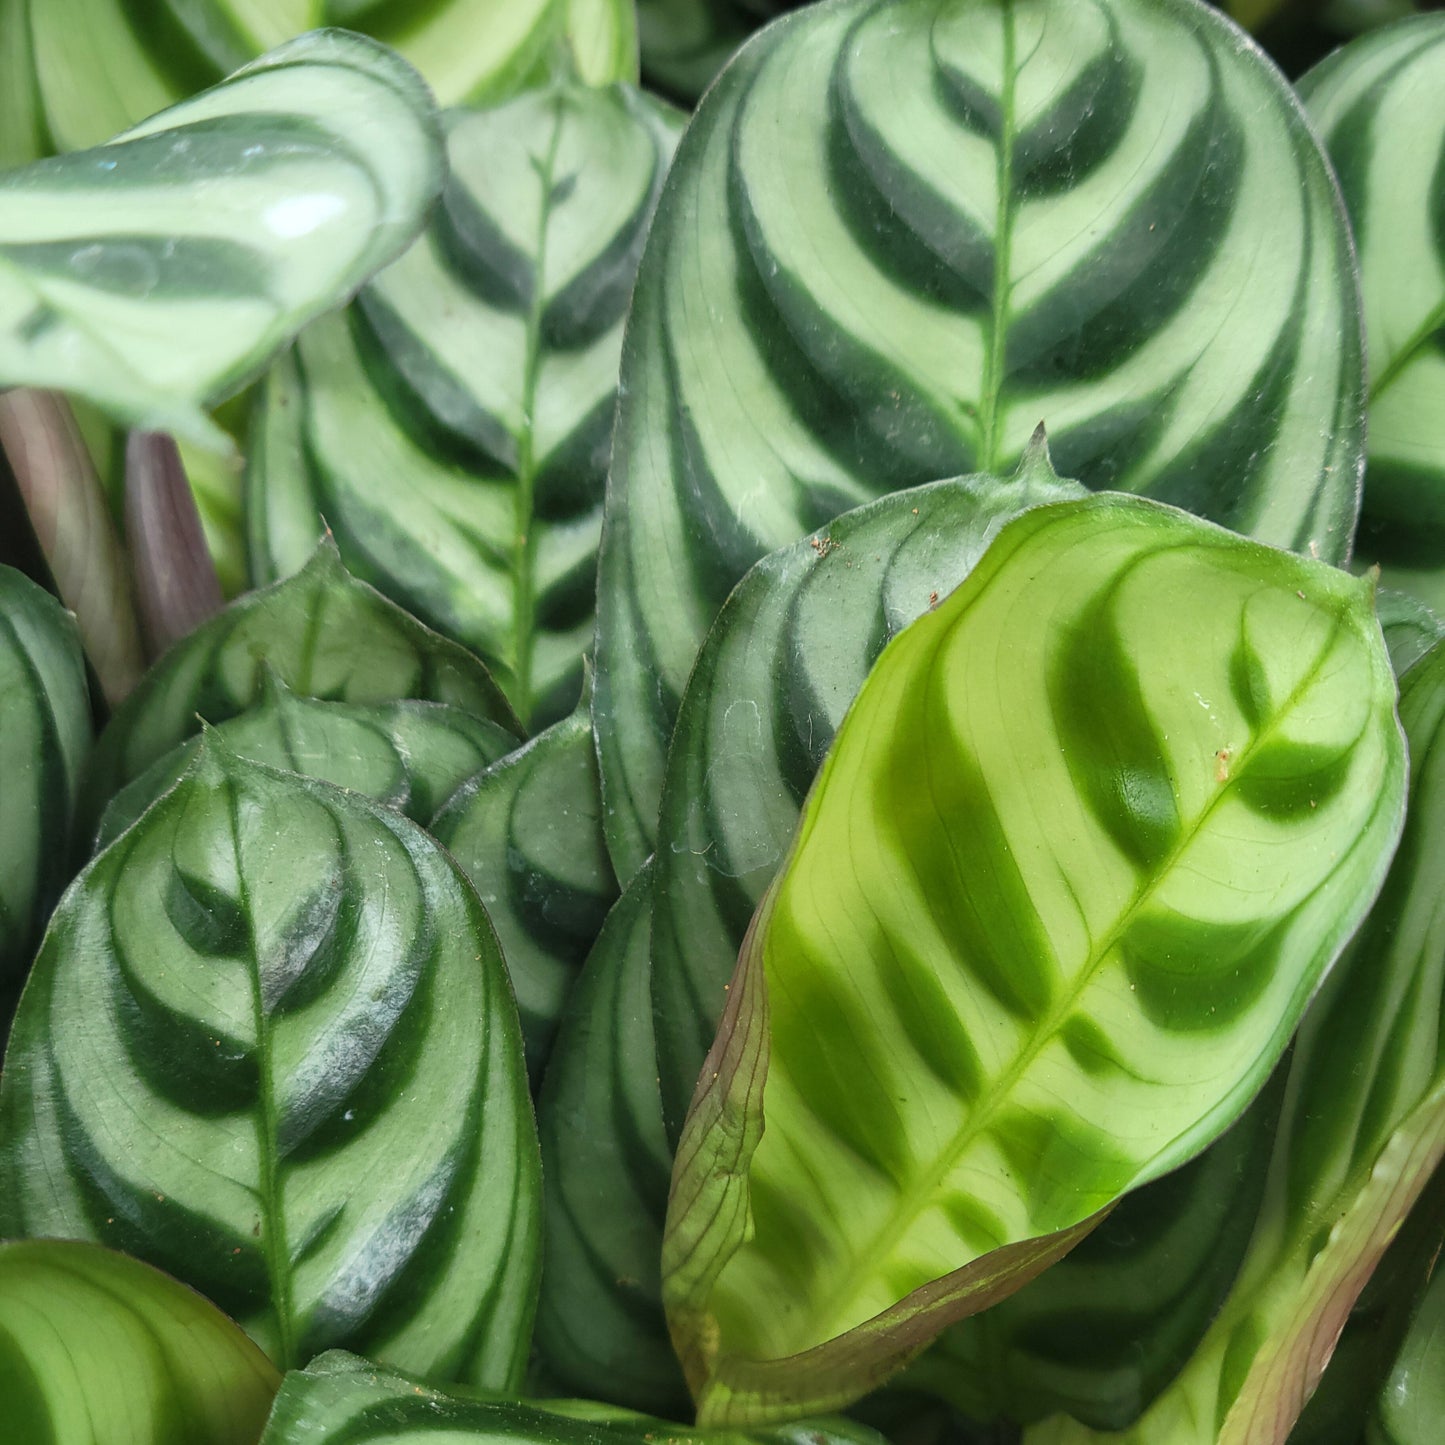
(885, 1240)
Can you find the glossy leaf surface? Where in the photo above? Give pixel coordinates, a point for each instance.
(1362, 1131)
(1413, 1403)
(606, 1162)
(1380, 106)
(527, 831)
(454, 426)
(946, 1049)
(44, 741)
(269, 1046)
(409, 755)
(99, 1349)
(323, 634)
(159, 272)
(939, 222)
(341, 1399)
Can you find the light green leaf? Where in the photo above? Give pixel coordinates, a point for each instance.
(945, 1050)
(527, 831)
(324, 634)
(606, 1161)
(158, 273)
(602, 39)
(98, 1349)
(933, 224)
(1363, 1129)
(453, 428)
(409, 755)
(269, 1046)
(1380, 107)
(1413, 1402)
(44, 740)
(341, 1399)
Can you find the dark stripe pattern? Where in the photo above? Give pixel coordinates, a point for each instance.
(44, 741)
(1379, 104)
(932, 224)
(270, 1047)
(453, 427)
(1044, 931)
(161, 271)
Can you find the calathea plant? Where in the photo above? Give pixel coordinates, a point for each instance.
(718, 868)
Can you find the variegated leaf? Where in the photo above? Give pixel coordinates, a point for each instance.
(453, 428)
(98, 1349)
(269, 1046)
(947, 1048)
(1380, 107)
(159, 272)
(1363, 1129)
(934, 223)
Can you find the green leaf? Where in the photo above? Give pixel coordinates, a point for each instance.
(269, 1046)
(1380, 107)
(98, 1349)
(686, 42)
(409, 755)
(527, 831)
(1411, 629)
(44, 740)
(324, 634)
(158, 273)
(606, 1161)
(934, 223)
(602, 39)
(454, 426)
(1362, 1131)
(340, 1399)
(1412, 1404)
(1178, 758)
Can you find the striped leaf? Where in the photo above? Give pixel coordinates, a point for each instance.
(1412, 1404)
(453, 428)
(935, 223)
(606, 1161)
(44, 740)
(160, 272)
(269, 1046)
(339, 1400)
(322, 633)
(98, 1349)
(409, 755)
(81, 70)
(1362, 1130)
(965, 1043)
(1380, 107)
(527, 831)
(779, 669)
(1411, 629)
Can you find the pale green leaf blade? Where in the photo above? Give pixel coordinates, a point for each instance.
(323, 633)
(454, 428)
(158, 273)
(270, 1046)
(602, 40)
(1379, 105)
(981, 1037)
(1362, 1131)
(44, 742)
(409, 755)
(99, 1349)
(341, 1399)
(939, 222)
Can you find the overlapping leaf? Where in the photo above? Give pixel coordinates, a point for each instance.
(937, 222)
(454, 426)
(98, 1349)
(1363, 1128)
(686, 42)
(44, 740)
(1413, 1403)
(964, 1042)
(527, 831)
(323, 634)
(341, 1399)
(159, 272)
(1380, 106)
(269, 1046)
(409, 755)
